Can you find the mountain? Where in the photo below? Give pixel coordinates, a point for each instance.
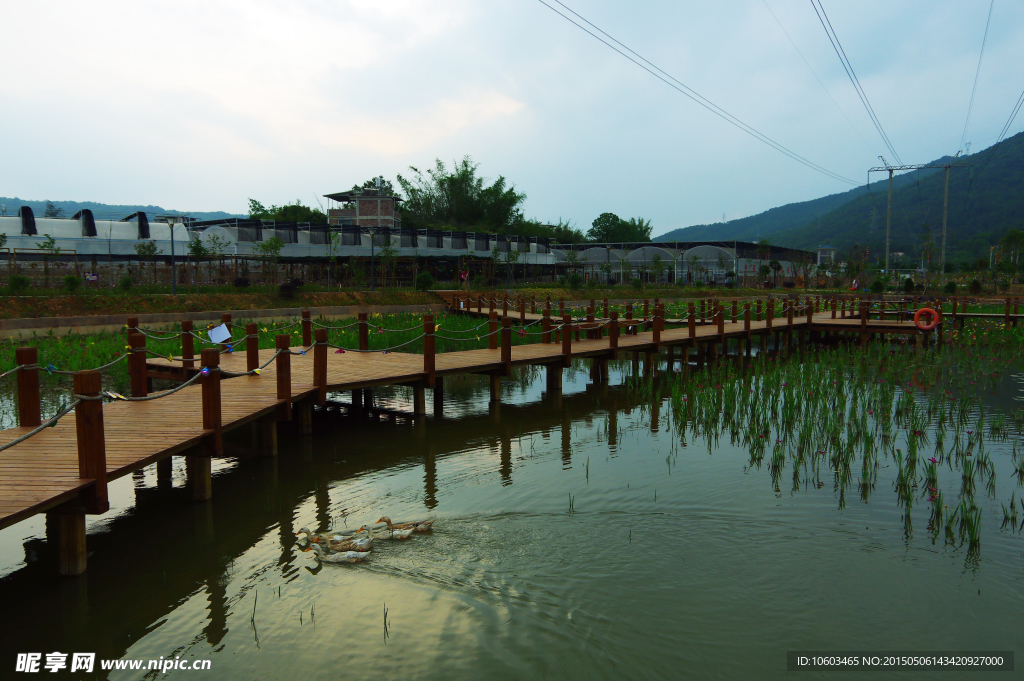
(985, 201)
(775, 220)
(104, 211)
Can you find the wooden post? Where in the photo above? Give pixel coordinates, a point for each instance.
(613, 334)
(137, 363)
(214, 444)
(691, 323)
(522, 312)
(504, 306)
(1007, 318)
(28, 388)
(364, 338)
(419, 399)
(769, 317)
(566, 340)
(71, 554)
(283, 364)
(320, 365)
(746, 320)
(490, 303)
(438, 397)
(863, 322)
(252, 347)
(429, 351)
(187, 345)
(307, 329)
(495, 381)
(492, 328)
(479, 304)
(225, 319)
(545, 326)
(758, 311)
(656, 332)
(590, 320)
(506, 346)
(92, 451)
(629, 319)
(647, 314)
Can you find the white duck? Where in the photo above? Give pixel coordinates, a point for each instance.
(416, 526)
(344, 557)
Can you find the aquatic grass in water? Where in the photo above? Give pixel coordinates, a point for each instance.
(842, 404)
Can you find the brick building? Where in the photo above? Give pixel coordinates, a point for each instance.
(365, 208)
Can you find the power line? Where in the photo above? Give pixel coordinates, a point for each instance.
(681, 87)
(977, 72)
(814, 73)
(851, 74)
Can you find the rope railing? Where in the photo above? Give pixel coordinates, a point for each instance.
(52, 421)
(381, 350)
(252, 372)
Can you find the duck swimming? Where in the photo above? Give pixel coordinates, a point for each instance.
(416, 526)
(345, 557)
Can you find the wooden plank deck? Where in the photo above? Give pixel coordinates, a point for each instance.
(42, 472)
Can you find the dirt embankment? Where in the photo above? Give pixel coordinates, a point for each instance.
(30, 307)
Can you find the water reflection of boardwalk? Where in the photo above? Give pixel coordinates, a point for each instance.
(45, 473)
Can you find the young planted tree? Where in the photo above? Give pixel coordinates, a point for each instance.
(148, 250)
(50, 249)
(271, 250)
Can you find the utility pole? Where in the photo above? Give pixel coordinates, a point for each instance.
(945, 200)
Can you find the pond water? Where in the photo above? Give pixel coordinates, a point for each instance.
(575, 537)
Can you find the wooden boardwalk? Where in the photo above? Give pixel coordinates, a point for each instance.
(45, 472)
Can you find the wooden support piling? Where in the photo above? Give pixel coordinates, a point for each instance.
(320, 365)
(429, 350)
(137, 364)
(364, 332)
(506, 346)
(566, 340)
(92, 449)
(613, 334)
(214, 443)
(187, 345)
(29, 415)
(307, 329)
(283, 366)
(252, 347)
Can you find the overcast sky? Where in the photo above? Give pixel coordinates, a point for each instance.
(200, 105)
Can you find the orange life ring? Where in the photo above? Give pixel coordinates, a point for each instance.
(931, 325)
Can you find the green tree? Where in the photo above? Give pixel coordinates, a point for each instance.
(610, 228)
(52, 210)
(50, 247)
(270, 249)
(1012, 243)
(289, 212)
(658, 267)
(386, 188)
(458, 197)
(147, 250)
(566, 233)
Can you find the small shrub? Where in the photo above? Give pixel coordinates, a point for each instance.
(949, 288)
(72, 283)
(289, 288)
(241, 282)
(424, 280)
(919, 287)
(637, 284)
(1004, 285)
(479, 281)
(575, 281)
(908, 285)
(18, 284)
(592, 284)
(563, 280)
(974, 288)
(878, 286)
(126, 282)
